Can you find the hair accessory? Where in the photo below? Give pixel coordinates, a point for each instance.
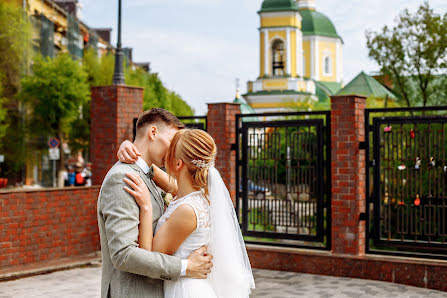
(202, 164)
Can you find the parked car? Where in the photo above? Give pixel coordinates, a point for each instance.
(259, 190)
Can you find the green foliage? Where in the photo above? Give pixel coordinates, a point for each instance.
(155, 93)
(3, 113)
(414, 54)
(55, 92)
(15, 47)
(15, 54)
(99, 70)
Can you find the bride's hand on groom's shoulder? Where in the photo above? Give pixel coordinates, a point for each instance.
(139, 191)
(199, 264)
(128, 153)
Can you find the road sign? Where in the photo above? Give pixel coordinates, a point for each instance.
(54, 153)
(53, 143)
(2, 158)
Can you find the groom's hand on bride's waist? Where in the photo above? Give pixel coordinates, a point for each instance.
(199, 264)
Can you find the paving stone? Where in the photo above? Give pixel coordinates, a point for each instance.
(85, 283)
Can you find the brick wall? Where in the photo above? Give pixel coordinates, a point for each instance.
(348, 174)
(41, 225)
(222, 127)
(112, 112)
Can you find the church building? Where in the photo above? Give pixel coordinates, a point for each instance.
(300, 57)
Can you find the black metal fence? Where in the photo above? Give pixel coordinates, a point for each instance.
(199, 122)
(406, 181)
(283, 178)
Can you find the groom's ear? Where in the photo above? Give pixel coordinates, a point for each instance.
(152, 132)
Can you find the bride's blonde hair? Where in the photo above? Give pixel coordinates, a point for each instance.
(197, 150)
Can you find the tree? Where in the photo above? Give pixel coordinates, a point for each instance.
(15, 54)
(99, 69)
(413, 54)
(155, 93)
(54, 93)
(3, 113)
(99, 72)
(15, 47)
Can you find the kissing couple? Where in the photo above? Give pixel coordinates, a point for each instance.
(192, 248)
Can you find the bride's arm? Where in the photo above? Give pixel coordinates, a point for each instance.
(128, 153)
(171, 235)
(143, 198)
(164, 181)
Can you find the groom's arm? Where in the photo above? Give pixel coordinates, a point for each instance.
(121, 217)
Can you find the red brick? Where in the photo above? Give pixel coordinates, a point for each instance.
(347, 129)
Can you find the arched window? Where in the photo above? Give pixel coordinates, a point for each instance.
(327, 65)
(278, 57)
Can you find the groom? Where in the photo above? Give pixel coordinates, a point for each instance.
(127, 270)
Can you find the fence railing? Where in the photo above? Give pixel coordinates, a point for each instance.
(283, 178)
(199, 122)
(406, 183)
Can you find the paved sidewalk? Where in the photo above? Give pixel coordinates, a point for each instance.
(85, 283)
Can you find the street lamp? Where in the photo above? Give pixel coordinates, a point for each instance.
(118, 75)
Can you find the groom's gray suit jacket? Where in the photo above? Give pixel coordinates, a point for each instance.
(127, 270)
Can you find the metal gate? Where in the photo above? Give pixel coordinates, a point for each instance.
(407, 181)
(283, 173)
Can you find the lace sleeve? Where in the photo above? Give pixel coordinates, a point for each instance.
(201, 209)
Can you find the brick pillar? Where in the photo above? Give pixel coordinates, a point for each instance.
(222, 127)
(348, 174)
(112, 111)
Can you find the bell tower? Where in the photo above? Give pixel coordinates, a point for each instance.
(280, 39)
(281, 84)
(300, 57)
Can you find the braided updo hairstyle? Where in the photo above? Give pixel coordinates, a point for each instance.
(192, 145)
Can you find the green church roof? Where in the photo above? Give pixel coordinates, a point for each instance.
(324, 90)
(366, 85)
(245, 109)
(316, 23)
(278, 5)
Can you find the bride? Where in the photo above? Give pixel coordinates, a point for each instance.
(201, 214)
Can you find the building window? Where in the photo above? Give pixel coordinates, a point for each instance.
(278, 58)
(327, 66)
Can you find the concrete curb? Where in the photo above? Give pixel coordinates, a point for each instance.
(52, 266)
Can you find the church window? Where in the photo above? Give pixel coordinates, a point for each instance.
(278, 62)
(327, 65)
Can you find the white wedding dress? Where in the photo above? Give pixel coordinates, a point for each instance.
(186, 287)
(217, 227)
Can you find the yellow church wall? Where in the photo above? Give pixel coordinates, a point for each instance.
(325, 48)
(275, 84)
(293, 52)
(291, 21)
(270, 105)
(277, 33)
(306, 54)
(261, 57)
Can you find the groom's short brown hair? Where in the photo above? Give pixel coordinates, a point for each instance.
(160, 116)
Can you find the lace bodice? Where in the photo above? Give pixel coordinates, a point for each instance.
(201, 235)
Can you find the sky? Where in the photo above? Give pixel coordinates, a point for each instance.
(200, 47)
